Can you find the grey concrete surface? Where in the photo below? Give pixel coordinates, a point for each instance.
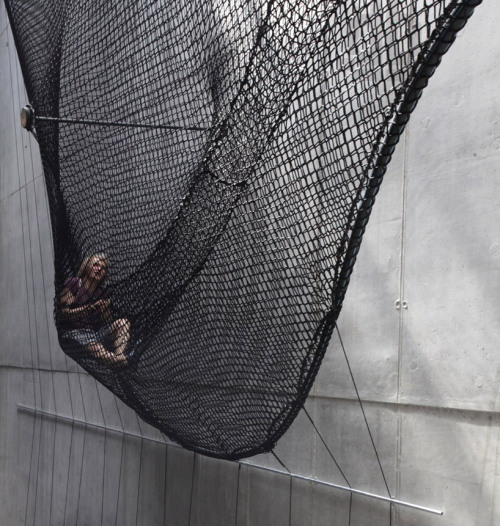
(428, 371)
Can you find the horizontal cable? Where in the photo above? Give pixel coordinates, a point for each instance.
(31, 410)
(120, 124)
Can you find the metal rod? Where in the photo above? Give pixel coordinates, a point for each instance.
(31, 410)
(122, 124)
(346, 488)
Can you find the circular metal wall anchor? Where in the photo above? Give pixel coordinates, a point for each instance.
(28, 117)
(398, 304)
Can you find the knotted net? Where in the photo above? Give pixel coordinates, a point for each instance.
(224, 156)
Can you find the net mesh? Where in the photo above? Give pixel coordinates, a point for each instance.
(213, 165)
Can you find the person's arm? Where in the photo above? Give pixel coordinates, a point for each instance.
(70, 313)
(105, 306)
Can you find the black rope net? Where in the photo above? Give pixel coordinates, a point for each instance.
(210, 168)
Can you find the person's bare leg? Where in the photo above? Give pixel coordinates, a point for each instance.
(121, 332)
(109, 358)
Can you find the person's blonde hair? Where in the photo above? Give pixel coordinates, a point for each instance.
(85, 266)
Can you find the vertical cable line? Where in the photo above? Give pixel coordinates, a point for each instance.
(83, 448)
(30, 323)
(104, 448)
(195, 456)
(237, 495)
(166, 483)
(350, 508)
(69, 466)
(402, 298)
(363, 410)
(290, 489)
(140, 471)
(40, 441)
(121, 462)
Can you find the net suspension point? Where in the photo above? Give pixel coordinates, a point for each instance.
(28, 117)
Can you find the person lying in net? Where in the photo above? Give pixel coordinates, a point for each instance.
(86, 315)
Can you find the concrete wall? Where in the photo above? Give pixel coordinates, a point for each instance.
(421, 328)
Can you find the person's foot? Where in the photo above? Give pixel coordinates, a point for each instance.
(135, 353)
(120, 361)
